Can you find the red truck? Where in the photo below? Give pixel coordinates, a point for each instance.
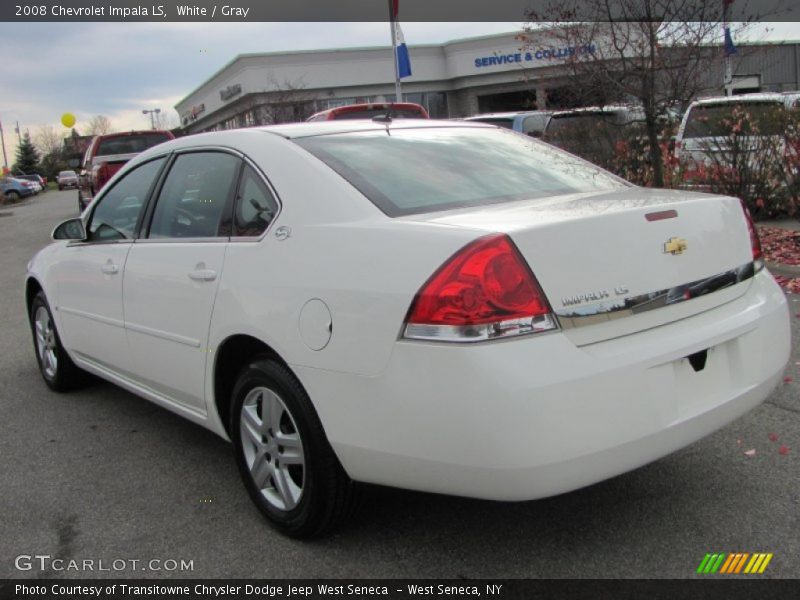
(107, 153)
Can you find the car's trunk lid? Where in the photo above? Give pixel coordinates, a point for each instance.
(634, 253)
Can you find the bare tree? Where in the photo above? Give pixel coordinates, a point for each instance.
(655, 53)
(99, 125)
(167, 120)
(287, 102)
(48, 140)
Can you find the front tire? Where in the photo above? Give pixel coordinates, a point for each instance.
(284, 457)
(57, 369)
(13, 195)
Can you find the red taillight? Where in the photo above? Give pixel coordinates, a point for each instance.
(755, 243)
(484, 291)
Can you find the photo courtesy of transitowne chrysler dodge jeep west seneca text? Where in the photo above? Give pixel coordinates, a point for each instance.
(441, 306)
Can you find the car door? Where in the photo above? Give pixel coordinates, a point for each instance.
(88, 275)
(173, 271)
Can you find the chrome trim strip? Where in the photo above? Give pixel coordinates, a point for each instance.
(91, 316)
(580, 316)
(164, 335)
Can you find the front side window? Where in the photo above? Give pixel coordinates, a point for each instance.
(255, 206)
(118, 211)
(195, 193)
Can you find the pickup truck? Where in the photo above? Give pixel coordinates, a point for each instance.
(107, 153)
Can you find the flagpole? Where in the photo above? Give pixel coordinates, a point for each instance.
(728, 76)
(398, 94)
(3, 141)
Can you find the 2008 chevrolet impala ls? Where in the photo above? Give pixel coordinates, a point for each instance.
(439, 306)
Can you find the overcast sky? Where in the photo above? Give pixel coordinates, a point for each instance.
(117, 69)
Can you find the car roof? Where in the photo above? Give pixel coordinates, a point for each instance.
(756, 97)
(611, 108)
(507, 115)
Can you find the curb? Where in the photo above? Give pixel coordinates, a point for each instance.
(782, 269)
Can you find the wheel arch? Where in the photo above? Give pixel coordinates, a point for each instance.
(232, 354)
(32, 287)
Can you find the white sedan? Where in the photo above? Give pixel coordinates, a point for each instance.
(440, 306)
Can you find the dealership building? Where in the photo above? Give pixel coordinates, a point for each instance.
(455, 79)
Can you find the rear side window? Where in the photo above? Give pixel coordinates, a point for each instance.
(117, 213)
(718, 120)
(255, 206)
(194, 195)
(411, 171)
(129, 144)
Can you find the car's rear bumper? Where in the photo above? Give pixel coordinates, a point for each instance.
(536, 416)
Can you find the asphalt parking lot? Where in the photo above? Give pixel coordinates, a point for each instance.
(103, 475)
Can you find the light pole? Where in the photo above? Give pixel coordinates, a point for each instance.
(152, 114)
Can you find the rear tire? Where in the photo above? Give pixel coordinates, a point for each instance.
(57, 369)
(284, 457)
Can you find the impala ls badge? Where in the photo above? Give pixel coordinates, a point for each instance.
(675, 246)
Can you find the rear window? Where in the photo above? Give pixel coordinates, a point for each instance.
(413, 171)
(717, 120)
(368, 113)
(506, 122)
(130, 144)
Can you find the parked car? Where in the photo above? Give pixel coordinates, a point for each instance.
(593, 132)
(14, 188)
(35, 178)
(395, 110)
(442, 306)
(107, 153)
(532, 122)
(705, 128)
(67, 179)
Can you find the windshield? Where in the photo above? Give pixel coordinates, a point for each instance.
(412, 171)
(130, 144)
(717, 120)
(67, 174)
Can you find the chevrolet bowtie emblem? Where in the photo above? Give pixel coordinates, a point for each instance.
(675, 246)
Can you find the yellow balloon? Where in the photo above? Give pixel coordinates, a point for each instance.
(68, 119)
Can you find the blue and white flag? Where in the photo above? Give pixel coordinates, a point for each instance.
(730, 49)
(403, 59)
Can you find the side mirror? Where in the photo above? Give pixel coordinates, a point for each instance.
(71, 229)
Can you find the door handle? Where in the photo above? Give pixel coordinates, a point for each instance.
(110, 268)
(203, 275)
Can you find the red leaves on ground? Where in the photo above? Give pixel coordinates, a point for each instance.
(783, 450)
(787, 379)
(790, 284)
(773, 437)
(780, 245)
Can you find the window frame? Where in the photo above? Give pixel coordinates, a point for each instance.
(224, 226)
(265, 180)
(145, 205)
